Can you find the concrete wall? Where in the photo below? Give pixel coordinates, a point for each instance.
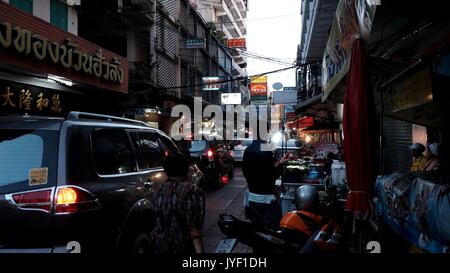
(41, 9)
(72, 24)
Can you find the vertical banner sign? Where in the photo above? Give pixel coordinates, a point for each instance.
(258, 89)
(353, 20)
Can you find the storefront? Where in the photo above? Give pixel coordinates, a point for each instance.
(47, 71)
(392, 74)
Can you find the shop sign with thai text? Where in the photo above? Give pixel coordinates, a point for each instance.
(30, 42)
(353, 19)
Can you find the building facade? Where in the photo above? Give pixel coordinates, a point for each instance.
(170, 49)
(317, 18)
(227, 18)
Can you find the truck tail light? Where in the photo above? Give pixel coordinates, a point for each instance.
(34, 200)
(73, 199)
(68, 199)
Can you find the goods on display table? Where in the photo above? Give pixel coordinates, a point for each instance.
(310, 169)
(295, 174)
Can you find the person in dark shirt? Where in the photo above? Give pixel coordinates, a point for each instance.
(178, 207)
(261, 171)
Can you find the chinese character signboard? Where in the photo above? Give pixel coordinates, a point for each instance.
(213, 83)
(38, 47)
(236, 43)
(195, 43)
(20, 98)
(353, 19)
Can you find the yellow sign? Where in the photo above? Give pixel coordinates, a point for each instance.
(412, 91)
(258, 79)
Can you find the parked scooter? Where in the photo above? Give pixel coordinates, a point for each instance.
(313, 227)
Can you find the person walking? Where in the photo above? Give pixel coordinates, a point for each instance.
(178, 208)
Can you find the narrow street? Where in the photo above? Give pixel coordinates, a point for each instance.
(228, 199)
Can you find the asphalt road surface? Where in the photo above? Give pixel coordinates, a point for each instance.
(227, 199)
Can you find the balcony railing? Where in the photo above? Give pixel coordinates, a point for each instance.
(306, 94)
(138, 5)
(309, 86)
(138, 12)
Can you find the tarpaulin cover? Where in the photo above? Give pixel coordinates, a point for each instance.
(416, 207)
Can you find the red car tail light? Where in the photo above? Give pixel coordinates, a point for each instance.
(225, 179)
(39, 200)
(73, 199)
(210, 153)
(68, 199)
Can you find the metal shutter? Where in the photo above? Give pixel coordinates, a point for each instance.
(398, 138)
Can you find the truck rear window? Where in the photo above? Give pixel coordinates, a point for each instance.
(28, 159)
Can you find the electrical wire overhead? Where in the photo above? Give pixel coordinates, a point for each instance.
(229, 80)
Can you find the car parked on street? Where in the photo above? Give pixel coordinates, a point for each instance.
(240, 148)
(215, 159)
(81, 182)
(291, 146)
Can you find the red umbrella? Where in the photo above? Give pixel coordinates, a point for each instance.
(359, 134)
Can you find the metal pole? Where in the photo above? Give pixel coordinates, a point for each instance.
(283, 132)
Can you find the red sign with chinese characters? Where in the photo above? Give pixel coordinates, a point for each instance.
(236, 43)
(35, 46)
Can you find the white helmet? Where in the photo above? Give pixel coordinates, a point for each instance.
(434, 149)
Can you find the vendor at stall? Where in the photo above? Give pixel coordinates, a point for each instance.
(420, 162)
(433, 157)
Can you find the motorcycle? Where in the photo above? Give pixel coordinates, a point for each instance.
(322, 236)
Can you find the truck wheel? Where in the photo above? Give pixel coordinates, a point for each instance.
(141, 244)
